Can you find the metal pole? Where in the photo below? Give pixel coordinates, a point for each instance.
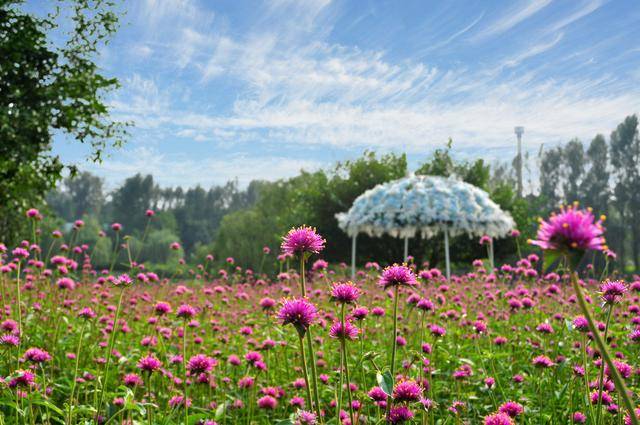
(406, 248)
(446, 253)
(519, 130)
(491, 254)
(353, 256)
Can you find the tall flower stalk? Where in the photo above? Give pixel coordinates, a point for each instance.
(394, 277)
(565, 237)
(344, 293)
(123, 281)
(301, 314)
(304, 241)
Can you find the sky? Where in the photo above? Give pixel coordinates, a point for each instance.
(232, 89)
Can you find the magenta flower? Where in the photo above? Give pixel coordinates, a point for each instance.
(186, 311)
(397, 275)
(400, 414)
(298, 312)
(511, 408)
(612, 291)
(37, 355)
(498, 419)
(569, 230)
(162, 308)
(345, 293)
(200, 363)
(302, 240)
(267, 402)
(348, 332)
(149, 363)
(407, 391)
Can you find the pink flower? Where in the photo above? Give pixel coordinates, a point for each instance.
(397, 275)
(571, 229)
(345, 293)
(302, 240)
(349, 331)
(298, 312)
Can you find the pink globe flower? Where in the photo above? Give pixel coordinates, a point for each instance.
(571, 229)
(299, 313)
(302, 240)
(397, 275)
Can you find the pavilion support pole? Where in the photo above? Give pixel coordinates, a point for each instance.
(406, 248)
(353, 256)
(446, 253)
(491, 264)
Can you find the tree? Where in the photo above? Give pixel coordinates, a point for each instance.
(595, 185)
(79, 195)
(573, 154)
(550, 178)
(49, 88)
(131, 200)
(625, 159)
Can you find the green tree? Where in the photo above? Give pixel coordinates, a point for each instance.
(574, 160)
(625, 159)
(49, 88)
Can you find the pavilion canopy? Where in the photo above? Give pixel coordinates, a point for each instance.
(425, 205)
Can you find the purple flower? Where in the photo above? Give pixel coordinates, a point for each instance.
(542, 361)
(298, 312)
(612, 290)
(37, 355)
(162, 308)
(132, 380)
(348, 332)
(267, 402)
(571, 229)
(200, 363)
(186, 311)
(305, 418)
(581, 323)
(345, 293)
(511, 408)
(9, 340)
(377, 394)
(87, 313)
(407, 391)
(149, 363)
(302, 240)
(400, 414)
(397, 275)
(498, 419)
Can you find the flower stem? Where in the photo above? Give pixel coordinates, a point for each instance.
(75, 373)
(112, 342)
(393, 343)
(600, 383)
(619, 382)
(184, 364)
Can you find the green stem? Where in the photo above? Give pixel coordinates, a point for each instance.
(304, 369)
(600, 383)
(346, 368)
(184, 365)
(75, 373)
(393, 343)
(112, 342)
(619, 382)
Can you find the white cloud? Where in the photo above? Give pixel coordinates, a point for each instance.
(511, 18)
(180, 170)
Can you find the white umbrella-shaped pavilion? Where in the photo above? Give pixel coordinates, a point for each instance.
(425, 205)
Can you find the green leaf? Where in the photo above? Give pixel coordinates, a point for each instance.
(220, 411)
(385, 381)
(195, 419)
(549, 259)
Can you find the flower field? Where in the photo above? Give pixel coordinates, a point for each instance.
(397, 344)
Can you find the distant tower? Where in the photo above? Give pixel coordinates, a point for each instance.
(519, 131)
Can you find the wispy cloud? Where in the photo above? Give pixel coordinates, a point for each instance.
(511, 18)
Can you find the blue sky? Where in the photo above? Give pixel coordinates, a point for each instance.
(260, 89)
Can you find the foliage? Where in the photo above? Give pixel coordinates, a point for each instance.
(49, 89)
